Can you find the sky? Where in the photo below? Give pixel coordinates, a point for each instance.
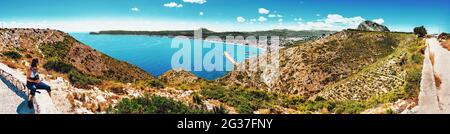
(223, 15)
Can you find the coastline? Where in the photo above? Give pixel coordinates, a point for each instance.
(260, 50)
(263, 48)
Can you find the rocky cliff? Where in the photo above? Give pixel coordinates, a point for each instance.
(372, 26)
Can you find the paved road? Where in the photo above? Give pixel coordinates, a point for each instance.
(433, 99)
(442, 69)
(12, 101)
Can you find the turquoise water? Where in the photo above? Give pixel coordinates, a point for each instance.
(154, 54)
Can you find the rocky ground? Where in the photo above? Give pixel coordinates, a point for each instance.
(387, 76)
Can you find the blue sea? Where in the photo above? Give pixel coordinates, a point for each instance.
(154, 53)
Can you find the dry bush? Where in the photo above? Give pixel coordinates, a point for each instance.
(437, 80)
(115, 87)
(446, 44)
(10, 64)
(422, 49)
(71, 99)
(432, 58)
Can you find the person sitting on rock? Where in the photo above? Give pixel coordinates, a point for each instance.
(34, 83)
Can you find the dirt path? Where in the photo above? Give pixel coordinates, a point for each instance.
(435, 97)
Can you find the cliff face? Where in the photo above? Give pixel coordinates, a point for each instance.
(372, 26)
(57, 46)
(307, 69)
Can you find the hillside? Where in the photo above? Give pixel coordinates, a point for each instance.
(352, 65)
(60, 53)
(307, 68)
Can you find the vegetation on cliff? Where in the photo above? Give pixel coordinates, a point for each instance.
(243, 100)
(154, 105)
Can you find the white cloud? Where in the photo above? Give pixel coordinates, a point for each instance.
(135, 9)
(200, 13)
(316, 25)
(252, 20)
(262, 19)
(263, 11)
(274, 15)
(379, 20)
(240, 19)
(336, 18)
(334, 22)
(173, 4)
(317, 15)
(297, 19)
(195, 1)
(280, 20)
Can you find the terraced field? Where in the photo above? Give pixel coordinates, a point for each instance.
(389, 74)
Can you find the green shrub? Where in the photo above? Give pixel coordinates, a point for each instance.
(12, 55)
(315, 106)
(416, 58)
(412, 81)
(154, 83)
(244, 109)
(350, 107)
(81, 80)
(215, 92)
(57, 65)
(244, 100)
(153, 105)
(413, 75)
(28, 56)
(197, 99)
(390, 111)
(420, 31)
(220, 110)
(184, 87)
(293, 100)
(57, 49)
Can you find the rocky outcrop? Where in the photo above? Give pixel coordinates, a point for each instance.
(176, 77)
(372, 26)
